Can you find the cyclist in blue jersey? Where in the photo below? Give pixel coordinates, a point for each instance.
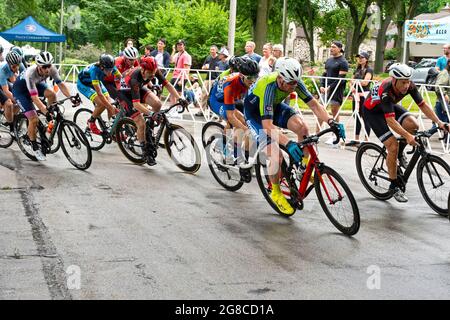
(90, 84)
(8, 74)
(265, 111)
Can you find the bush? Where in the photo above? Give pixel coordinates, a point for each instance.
(88, 53)
(391, 54)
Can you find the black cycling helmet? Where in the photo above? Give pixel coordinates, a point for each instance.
(106, 61)
(235, 62)
(248, 67)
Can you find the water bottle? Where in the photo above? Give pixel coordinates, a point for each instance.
(50, 127)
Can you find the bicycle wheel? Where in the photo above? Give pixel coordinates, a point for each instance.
(372, 170)
(229, 178)
(337, 201)
(21, 133)
(81, 117)
(182, 148)
(127, 140)
(56, 143)
(433, 177)
(75, 145)
(209, 129)
(6, 138)
(265, 185)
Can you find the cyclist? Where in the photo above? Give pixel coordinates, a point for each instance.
(8, 74)
(265, 111)
(382, 112)
(124, 63)
(24, 63)
(90, 84)
(31, 85)
(138, 93)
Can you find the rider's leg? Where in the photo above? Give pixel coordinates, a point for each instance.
(140, 123)
(153, 101)
(99, 107)
(391, 158)
(9, 111)
(50, 95)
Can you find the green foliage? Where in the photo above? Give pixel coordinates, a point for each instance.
(88, 53)
(200, 23)
(391, 54)
(334, 25)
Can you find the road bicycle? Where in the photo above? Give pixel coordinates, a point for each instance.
(433, 172)
(65, 134)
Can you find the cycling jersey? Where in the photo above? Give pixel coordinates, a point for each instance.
(135, 81)
(225, 93)
(93, 75)
(6, 73)
(122, 66)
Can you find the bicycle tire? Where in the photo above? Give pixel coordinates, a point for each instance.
(69, 133)
(213, 127)
(21, 133)
(422, 168)
(170, 141)
(126, 140)
(263, 182)
(97, 142)
(6, 139)
(377, 150)
(211, 146)
(334, 177)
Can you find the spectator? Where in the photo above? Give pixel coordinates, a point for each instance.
(278, 51)
(267, 62)
(365, 73)
(223, 56)
(211, 62)
(441, 63)
(148, 49)
(183, 62)
(333, 89)
(129, 43)
(250, 51)
(443, 79)
(162, 57)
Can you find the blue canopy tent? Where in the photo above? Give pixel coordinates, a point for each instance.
(30, 30)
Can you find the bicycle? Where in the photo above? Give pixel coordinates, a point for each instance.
(433, 170)
(65, 134)
(176, 140)
(333, 193)
(6, 136)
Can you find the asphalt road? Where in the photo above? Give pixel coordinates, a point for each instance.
(122, 231)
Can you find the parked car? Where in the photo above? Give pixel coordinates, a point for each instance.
(425, 72)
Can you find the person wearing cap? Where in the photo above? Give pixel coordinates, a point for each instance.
(333, 89)
(364, 73)
(161, 56)
(223, 56)
(183, 62)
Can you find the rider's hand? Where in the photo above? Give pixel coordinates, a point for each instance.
(157, 117)
(322, 90)
(76, 101)
(338, 127)
(444, 126)
(294, 150)
(411, 140)
(48, 117)
(112, 112)
(183, 102)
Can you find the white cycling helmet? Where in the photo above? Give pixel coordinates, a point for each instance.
(44, 58)
(13, 58)
(400, 71)
(289, 69)
(131, 53)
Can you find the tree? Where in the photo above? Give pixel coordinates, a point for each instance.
(387, 8)
(406, 10)
(305, 11)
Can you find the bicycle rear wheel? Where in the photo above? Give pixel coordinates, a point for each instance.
(209, 129)
(23, 141)
(75, 145)
(372, 170)
(337, 201)
(433, 178)
(182, 148)
(127, 141)
(81, 117)
(6, 138)
(229, 178)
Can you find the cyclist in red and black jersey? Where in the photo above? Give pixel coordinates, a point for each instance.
(138, 93)
(382, 112)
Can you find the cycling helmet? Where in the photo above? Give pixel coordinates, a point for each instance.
(148, 63)
(400, 71)
(289, 69)
(106, 61)
(131, 53)
(44, 58)
(248, 67)
(13, 58)
(235, 62)
(1, 49)
(18, 50)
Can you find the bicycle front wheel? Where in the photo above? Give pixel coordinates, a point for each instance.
(210, 129)
(75, 145)
(81, 118)
(126, 137)
(433, 177)
(372, 170)
(182, 148)
(23, 141)
(337, 201)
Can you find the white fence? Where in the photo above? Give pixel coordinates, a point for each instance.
(70, 72)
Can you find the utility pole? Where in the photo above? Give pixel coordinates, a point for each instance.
(232, 26)
(61, 30)
(283, 36)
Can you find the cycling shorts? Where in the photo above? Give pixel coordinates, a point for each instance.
(23, 98)
(89, 92)
(126, 100)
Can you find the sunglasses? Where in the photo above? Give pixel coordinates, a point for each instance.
(46, 66)
(250, 78)
(292, 83)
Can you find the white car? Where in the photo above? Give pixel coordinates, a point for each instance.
(425, 72)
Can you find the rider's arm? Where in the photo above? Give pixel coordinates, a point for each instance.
(274, 132)
(8, 93)
(319, 110)
(172, 91)
(64, 89)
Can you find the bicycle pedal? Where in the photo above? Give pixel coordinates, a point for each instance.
(246, 175)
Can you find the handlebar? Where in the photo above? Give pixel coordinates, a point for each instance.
(76, 102)
(183, 108)
(315, 138)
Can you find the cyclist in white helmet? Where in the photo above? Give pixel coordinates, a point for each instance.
(382, 112)
(31, 85)
(265, 111)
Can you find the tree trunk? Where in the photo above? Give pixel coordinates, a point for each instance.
(261, 24)
(381, 45)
